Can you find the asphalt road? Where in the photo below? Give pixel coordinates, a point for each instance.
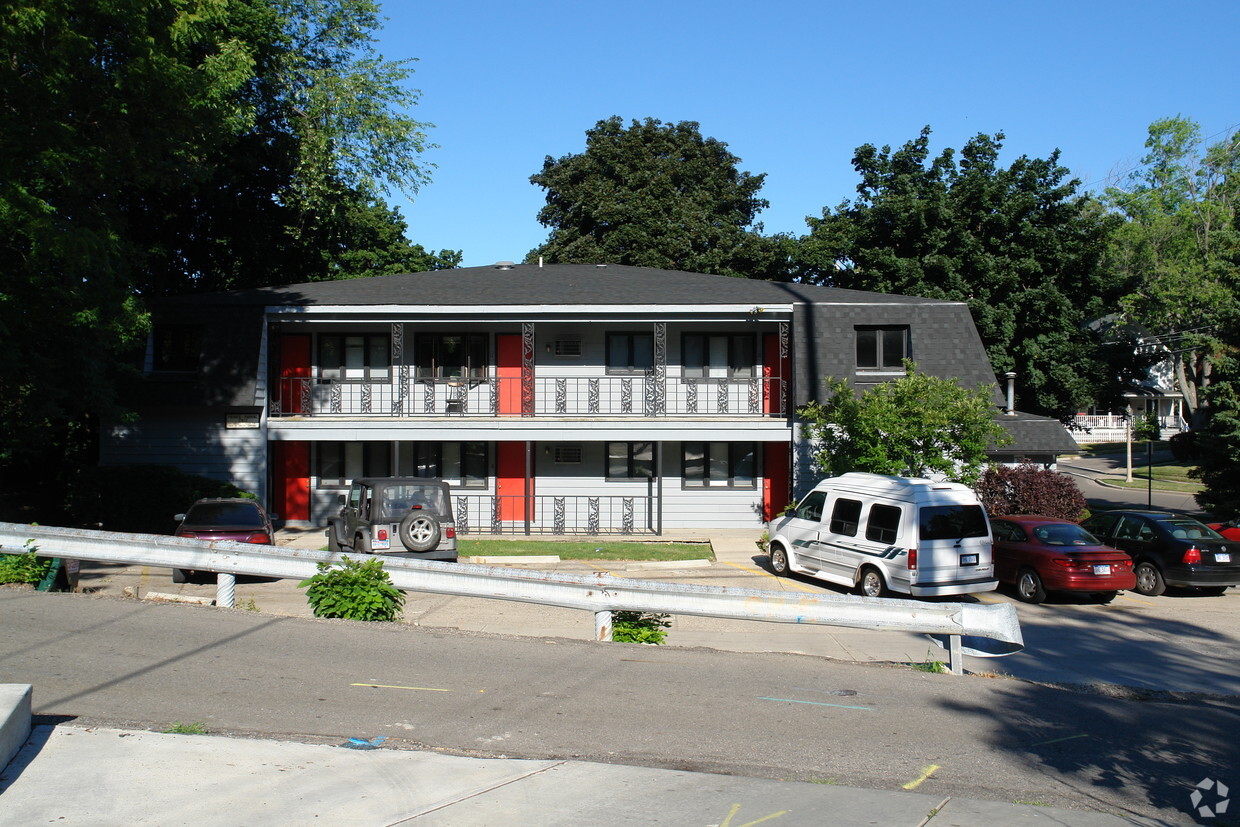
(138, 664)
(1089, 471)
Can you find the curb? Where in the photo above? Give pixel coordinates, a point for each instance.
(14, 719)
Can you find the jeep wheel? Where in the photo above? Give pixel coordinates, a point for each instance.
(361, 543)
(419, 531)
(334, 543)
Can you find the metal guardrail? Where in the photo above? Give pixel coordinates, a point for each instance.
(988, 630)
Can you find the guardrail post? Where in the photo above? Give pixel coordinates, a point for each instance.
(955, 659)
(224, 585)
(602, 625)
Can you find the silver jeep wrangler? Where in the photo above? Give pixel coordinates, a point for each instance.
(382, 514)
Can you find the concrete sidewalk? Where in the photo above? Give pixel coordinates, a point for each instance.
(73, 775)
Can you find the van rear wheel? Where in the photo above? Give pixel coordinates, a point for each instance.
(871, 583)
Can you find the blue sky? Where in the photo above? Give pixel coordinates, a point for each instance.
(792, 88)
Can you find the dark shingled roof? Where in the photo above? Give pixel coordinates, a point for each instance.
(1035, 434)
(553, 284)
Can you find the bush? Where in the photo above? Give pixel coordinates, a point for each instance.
(1030, 489)
(639, 627)
(1184, 447)
(355, 591)
(26, 567)
(141, 498)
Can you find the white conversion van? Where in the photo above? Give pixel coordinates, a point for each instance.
(882, 533)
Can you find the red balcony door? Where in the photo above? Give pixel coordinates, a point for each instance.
(776, 384)
(508, 373)
(510, 481)
(290, 480)
(294, 371)
(775, 491)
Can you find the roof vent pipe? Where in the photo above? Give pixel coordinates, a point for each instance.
(503, 265)
(1011, 396)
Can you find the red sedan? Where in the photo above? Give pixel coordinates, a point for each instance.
(1230, 529)
(1042, 554)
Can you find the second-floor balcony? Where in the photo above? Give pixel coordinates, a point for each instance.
(642, 395)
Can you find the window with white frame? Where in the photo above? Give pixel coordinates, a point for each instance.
(630, 460)
(339, 463)
(718, 355)
(462, 464)
(630, 352)
(720, 465)
(882, 348)
(360, 356)
(450, 355)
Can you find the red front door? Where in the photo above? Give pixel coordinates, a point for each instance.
(774, 480)
(290, 480)
(510, 481)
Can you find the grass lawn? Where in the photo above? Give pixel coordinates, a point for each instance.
(589, 550)
(1167, 477)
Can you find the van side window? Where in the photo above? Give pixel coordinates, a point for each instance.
(883, 524)
(952, 522)
(811, 507)
(845, 516)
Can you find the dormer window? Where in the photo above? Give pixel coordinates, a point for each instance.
(882, 348)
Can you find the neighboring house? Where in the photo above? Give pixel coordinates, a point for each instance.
(1156, 392)
(565, 398)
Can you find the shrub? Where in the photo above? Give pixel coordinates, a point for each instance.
(639, 627)
(26, 567)
(355, 591)
(1184, 447)
(141, 498)
(1030, 489)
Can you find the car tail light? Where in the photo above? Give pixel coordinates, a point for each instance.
(260, 538)
(1193, 555)
(1063, 562)
(912, 559)
(383, 534)
(189, 534)
(449, 532)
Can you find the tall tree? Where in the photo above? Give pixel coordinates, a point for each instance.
(1180, 246)
(1018, 244)
(656, 195)
(150, 147)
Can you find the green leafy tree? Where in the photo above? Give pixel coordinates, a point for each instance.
(656, 195)
(155, 147)
(1179, 245)
(916, 425)
(1216, 445)
(1018, 244)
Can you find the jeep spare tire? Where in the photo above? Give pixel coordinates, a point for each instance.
(419, 531)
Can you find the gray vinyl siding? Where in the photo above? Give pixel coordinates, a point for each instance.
(196, 442)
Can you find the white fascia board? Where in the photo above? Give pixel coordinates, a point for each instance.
(570, 312)
(561, 430)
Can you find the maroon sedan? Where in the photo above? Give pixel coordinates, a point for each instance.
(1042, 554)
(1230, 529)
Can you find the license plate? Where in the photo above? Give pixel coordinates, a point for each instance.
(382, 539)
(1222, 558)
(968, 559)
(1106, 569)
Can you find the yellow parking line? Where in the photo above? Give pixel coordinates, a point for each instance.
(1138, 600)
(926, 773)
(985, 598)
(790, 582)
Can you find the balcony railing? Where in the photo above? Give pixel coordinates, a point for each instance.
(639, 395)
(479, 515)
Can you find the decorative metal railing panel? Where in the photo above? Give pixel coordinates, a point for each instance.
(554, 514)
(644, 396)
